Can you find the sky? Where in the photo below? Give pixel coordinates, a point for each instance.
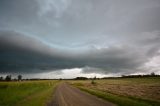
(71, 38)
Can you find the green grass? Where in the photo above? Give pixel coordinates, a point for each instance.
(109, 90)
(26, 93)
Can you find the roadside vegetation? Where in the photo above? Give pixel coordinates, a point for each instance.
(26, 93)
(124, 91)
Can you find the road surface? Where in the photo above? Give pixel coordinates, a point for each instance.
(66, 95)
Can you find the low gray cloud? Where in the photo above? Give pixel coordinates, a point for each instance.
(20, 53)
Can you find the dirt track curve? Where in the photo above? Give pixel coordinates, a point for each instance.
(66, 95)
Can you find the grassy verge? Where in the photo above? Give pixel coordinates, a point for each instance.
(119, 100)
(29, 93)
(113, 90)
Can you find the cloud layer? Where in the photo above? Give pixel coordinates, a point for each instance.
(20, 53)
(104, 36)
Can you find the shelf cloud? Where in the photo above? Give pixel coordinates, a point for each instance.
(103, 37)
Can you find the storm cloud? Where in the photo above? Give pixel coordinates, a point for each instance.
(19, 52)
(104, 36)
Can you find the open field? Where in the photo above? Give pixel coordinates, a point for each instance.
(124, 91)
(119, 91)
(26, 93)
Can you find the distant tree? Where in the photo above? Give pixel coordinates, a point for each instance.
(1, 78)
(81, 78)
(123, 76)
(19, 77)
(8, 78)
(93, 80)
(153, 74)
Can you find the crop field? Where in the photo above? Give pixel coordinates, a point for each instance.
(124, 91)
(26, 93)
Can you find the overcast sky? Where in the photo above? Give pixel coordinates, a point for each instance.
(69, 38)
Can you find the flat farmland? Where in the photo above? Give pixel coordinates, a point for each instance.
(26, 93)
(113, 92)
(124, 91)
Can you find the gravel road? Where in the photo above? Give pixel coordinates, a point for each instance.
(66, 95)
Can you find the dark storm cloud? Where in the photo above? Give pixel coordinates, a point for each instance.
(20, 53)
(99, 36)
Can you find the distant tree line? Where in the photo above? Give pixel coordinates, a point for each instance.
(81, 78)
(19, 77)
(139, 76)
(9, 78)
(85, 78)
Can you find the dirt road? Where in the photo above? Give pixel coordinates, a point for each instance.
(67, 95)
